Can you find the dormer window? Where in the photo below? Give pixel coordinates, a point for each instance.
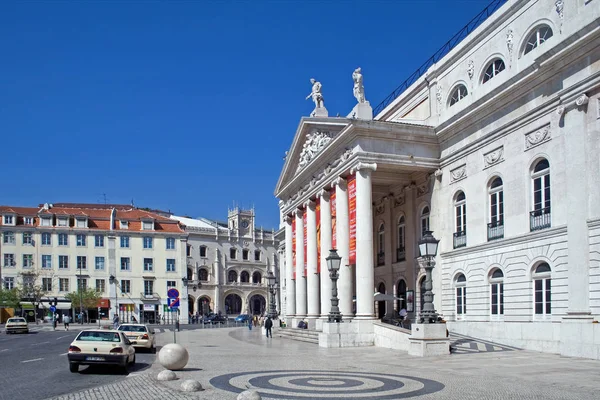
(28, 220)
(81, 222)
(148, 225)
(63, 221)
(124, 224)
(9, 220)
(46, 221)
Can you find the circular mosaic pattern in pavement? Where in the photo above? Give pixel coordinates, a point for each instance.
(301, 385)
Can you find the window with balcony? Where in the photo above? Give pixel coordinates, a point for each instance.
(81, 262)
(46, 239)
(381, 245)
(9, 260)
(99, 263)
(539, 218)
(170, 243)
(542, 290)
(493, 69)
(63, 239)
(81, 240)
(124, 242)
(99, 240)
(125, 264)
(233, 253)
(147, 242)
(170, 265)
(148, 264)
(497, 293)
(9, 237)
(539, 36)
(461, 296)
(148, 287)
(496, 198)
(401, 240)
(46, 261)
(125, 286)
(424, 220)
(203, 251)
(460, 211)
(27, 238)
(63, 262)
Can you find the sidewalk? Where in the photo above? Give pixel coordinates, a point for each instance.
(228, 361)
(47, 326)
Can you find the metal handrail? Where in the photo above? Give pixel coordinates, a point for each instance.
(438, 55)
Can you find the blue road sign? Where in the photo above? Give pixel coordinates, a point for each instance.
(172, 293)
(174, 303)
(52, 308)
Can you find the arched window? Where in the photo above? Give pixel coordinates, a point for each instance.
(256, 277)
(461, 296)
(493, 69)
(460, 210)
(232, 276)
(539, 218)
(497, 292)
(203, 274)
(401, 245)
(542, 287)
(458, 94)
(424, 220)
(401, 294)
(245, 277)
(496, 224)
(539, 36)
(381, 245)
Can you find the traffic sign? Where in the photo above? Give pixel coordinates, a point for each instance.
(173, 293)
(174, 303)
(52, 308)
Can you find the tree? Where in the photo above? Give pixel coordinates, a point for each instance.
(88, 298)
(33, 288)
(9, 298)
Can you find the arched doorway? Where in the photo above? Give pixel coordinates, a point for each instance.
(258, 304)
(256, 277)
(204, 305)
(233, 304)
(401, 293)
(381, 304)
(244, 277)
(190, 304)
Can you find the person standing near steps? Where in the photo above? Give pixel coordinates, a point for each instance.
(268, 326)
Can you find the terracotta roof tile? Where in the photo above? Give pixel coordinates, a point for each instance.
(19, 210)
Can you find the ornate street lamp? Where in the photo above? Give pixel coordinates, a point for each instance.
(271, 284)
(333, 265)
(428, 246)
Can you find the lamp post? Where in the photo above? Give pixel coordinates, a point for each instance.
(113, 280)
(333, 265)
(271, 284)
(428, 246)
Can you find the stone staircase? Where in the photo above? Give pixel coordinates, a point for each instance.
(303, 335)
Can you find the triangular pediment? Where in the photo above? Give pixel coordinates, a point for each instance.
(312, 138)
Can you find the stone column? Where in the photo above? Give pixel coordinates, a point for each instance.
(365, 274)
(217, 274)
(312, 279)
(290, 285)
(343, 247)
(300, 278)
(325, 247)
(275, 267)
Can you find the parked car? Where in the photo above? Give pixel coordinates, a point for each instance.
(141, 334)
(214, 319)
(98, 346)
(242, 318)
(16, 325)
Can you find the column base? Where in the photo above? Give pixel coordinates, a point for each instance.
(579, 336)
(347, 334)
(428, 340)
(312, 321)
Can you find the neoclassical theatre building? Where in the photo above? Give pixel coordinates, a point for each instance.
(493, 145)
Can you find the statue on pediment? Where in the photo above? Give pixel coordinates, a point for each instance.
(317, 96)
(359, 89)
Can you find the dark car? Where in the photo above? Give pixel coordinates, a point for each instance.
(242, 318)
(214, 319)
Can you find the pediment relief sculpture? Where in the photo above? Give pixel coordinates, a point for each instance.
(314, 144)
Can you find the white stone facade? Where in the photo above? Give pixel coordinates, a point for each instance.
(495, 149)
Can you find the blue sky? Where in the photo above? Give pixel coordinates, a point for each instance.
(189, 106)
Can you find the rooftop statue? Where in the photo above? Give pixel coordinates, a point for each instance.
(316, 94)
(359, 89)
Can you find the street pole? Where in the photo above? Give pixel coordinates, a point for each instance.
(80, 298)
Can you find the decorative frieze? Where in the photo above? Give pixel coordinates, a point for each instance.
(493, 157)
(399, 200)
(458, 173)
(509, 45)
(471, 69)
(314, 144)
(423, 188)
(537, 137)
(560, 6)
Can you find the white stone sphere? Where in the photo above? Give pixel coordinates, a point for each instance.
(166, 375)
(249, 395)
(173, 356)
(191, 385)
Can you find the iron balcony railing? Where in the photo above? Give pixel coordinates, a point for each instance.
(460, 239)
(438, 55)
(540, 219)
(400, 254)
(380, 259)
(495, 230)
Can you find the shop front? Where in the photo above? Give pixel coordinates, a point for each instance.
(126, 312)
(100, 312)
(149, 314)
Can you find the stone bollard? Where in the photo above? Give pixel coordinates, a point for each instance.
(191, 385)
(173, 356)
(166, 375)
(249, 395)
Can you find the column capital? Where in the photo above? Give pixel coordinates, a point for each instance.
(299, 212)
(288, 219)
(310, 204)
(372, 167)
(324, 194)
(339, 181)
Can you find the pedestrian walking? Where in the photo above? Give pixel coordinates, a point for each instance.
(116, 321)
(268, 326)
(249, 324)
(66, 321)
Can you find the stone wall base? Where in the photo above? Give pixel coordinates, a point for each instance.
(355, 333)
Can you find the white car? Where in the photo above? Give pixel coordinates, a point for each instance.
(99, 346)
(16, 324)
(141, 334)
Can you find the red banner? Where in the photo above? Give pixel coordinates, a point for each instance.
(318, 211)
(294, 246)
(333, 224)
(352, 218)
(305, 240)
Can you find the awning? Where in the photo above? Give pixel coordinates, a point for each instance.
(385, 297)
(104, 303)
(59, 306)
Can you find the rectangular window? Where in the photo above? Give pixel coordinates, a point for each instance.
(9, 260)
(124, 242)
(81, 284)
(256, 255)
(543, 296)
(63, 262)
(147, 242)
(99, 263)
(63, 222)
(170, 265)
(81, 262)
(202, 251)
(81, 223)
(81, 240)
(27, 238)
(28, 220)
(46, 221)
(47, 284)
(27, 260)
(245, 254)
(148, 288)
(9, 283)
(497, 300)
(148, 264)
(63, 239)
(100, 285)
(125, 264)
(9, 238)
(99, 240)
(147, 225)
(125, 286)
(63, 284)
(46, 239)
(171, 284)
(9, 220)
(232, 254)
(46, 261)
(124, 224)
(170, 243)
(461, 300)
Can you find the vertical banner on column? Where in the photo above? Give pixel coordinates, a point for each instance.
(294, 246)
(318, 211)
(352, 217)
(333, 224)
(305, 241)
